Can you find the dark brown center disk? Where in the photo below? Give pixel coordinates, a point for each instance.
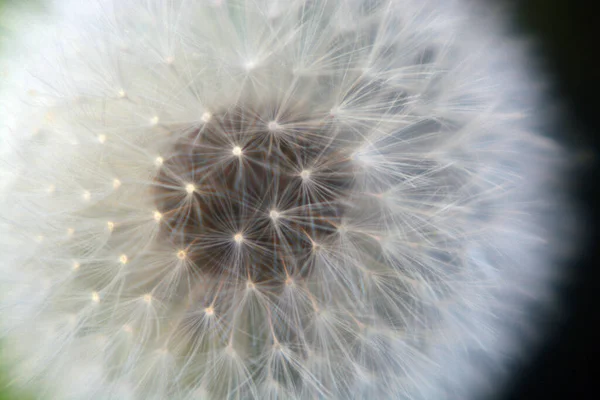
(254, 201)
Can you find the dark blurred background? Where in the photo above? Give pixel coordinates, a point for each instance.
(568, 35)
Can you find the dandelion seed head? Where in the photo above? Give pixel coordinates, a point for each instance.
(315, 199)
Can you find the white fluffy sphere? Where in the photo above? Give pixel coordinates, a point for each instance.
(262, 199)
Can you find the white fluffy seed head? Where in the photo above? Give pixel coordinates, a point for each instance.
(395, 136)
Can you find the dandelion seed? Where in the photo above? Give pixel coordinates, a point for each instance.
(305, 174)
(190, 188)
(95, 297)
(237, 151)
(274, 214)
(250, 65)
(273, 126)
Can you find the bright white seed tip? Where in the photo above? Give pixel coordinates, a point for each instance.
(157, 216)
(154, 120)
(158, 161)
(116, 183)
(86, 195)
(274, 214)
(305, 174)
(206, 116)
(75, 265)
(209, 311)
(147, 298)
(273, 126)
(123, 259)
(236, 151)
(238, 238)
(95, 297)
(70, 231)
(190, 188)
(110, 226)
(122, 94)
(102, 138)
(182, 254)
